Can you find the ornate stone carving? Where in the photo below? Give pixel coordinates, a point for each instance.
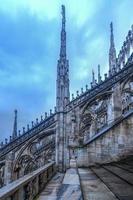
(94, 117)
(127, 95)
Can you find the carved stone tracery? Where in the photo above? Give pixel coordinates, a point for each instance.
(127, 95)
(35, 154)
(94, 117)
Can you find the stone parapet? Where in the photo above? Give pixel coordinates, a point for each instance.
(29, 186)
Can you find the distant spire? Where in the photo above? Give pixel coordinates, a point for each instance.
(93, 77)
(112, 51)
(63, 35)
(99, 74)
(14, 134)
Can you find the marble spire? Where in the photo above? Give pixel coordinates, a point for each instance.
(99, 74)
(62, 91)
(14, 134)
(112, 51)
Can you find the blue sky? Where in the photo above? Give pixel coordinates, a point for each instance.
(29, 49)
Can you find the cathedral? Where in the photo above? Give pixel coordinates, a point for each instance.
(82, 150)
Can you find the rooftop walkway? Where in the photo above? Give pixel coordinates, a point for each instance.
(63, 186)
(103, 182)
(108, 182)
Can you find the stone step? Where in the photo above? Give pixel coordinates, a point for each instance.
(125, 175)
(121, 189)
(125, 167)
(93, 188)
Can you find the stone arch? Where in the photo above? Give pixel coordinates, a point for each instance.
(98, 96)
(34, 139)
(94, 114)
(126, 81)
(127, 94)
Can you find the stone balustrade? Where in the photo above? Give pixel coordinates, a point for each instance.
(29, 186)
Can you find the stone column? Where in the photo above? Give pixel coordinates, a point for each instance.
(8, 169)
(60, 137)
(117, 102)
(21, 193)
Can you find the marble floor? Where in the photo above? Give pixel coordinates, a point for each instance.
(63, 187)
(103, 182)
(108, 182)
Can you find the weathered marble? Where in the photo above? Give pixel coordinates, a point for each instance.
(63, 186)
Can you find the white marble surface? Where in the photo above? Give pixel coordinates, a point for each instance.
(63, 187)
(71, 178)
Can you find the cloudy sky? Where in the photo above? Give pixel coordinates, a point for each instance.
(29, 49)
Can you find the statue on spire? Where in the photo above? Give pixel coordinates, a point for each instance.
(63, 17)
(99, 74)
(93, 83)
(112, 51)
(63, 35)
(14, 134)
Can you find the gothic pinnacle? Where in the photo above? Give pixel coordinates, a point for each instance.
(14, 134)
(112, 34)
(93, 77)
(112, 51)
(62, 93)
(63, 35)
(99, 74)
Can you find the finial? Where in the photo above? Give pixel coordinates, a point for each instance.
(1, 144)
(105, 75)
(112, 51)
(93, 78)
(19, 132)
(36, 120)
(6, 140)
(72, 96)
(63, 35)
(77, 93)
(82, 91)
(63, 15)
(55, 109)
(99, 74)
(23, 129)
(28, 127)
(41, 118)
(50, 112)
(111, 27)
(111, 35)
(14, 134)
(86, 87)
(32, 124)
(46, 115)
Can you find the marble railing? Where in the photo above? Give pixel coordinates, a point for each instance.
(29, 186)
